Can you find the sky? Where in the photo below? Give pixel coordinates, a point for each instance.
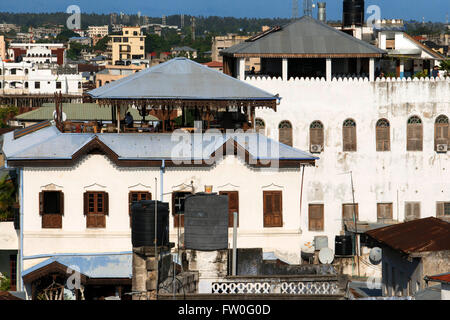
(431, 10)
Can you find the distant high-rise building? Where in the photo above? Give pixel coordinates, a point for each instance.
(294, 9)
(193, 28)
(307, 7)
(182, 21)
(113, 18)
(164, 20)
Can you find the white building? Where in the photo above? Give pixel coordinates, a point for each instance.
(97, 31)
(34, 79)
(50, 53)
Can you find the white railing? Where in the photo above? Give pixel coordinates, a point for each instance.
(286, 287)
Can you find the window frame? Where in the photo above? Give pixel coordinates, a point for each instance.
(381, 130)
(51, 220)
(285, 134)
(231, 210)
(178, 218)
(139, 197)
(391, 208)
(316, 139)
(349, 133)
(406, 219)
(413, 129)
(267, 214)
(96, 219)
(442, 121)
(312, 219)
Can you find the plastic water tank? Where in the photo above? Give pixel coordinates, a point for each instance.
(143, 223)
(343, 246)
(206, 222)
(320, 242)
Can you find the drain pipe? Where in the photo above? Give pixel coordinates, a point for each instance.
(235, 217)
(162, 171)
(21, 231)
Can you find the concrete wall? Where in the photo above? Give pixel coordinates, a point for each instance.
(396, 177)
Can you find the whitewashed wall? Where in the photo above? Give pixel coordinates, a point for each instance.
(97, 173)
(394, 177)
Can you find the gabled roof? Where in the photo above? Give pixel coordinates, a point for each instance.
(51, 147)
(423, 235)
(427, 49)
(77, 112)
(180, 79)
(307, 38)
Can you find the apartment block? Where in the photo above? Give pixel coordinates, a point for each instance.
(129, 45)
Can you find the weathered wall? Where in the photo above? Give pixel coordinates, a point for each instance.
(434, 263)
(393, 177)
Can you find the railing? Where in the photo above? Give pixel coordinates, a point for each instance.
(278, 286)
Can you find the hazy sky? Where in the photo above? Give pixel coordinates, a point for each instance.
(431, 10)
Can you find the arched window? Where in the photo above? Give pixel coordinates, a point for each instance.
(414, 134)
(349, 135)
(383, 135)
(316, 137)
(285, 133)
(441, 137)
(260, 126)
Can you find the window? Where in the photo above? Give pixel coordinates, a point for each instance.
(414, 134)
(125, 39)
(13, 71)
(441, 133)
(384, 212)
(260, 126)
(13, 271)
(316, 217)
(58, 84)
(349, 135)
(350, 212)
(178, 208)
(135, 196)
(117, 39)
(443, 210)
(96, 205)
(383, 135)
(135, 33)
(273, 209)
(37, 85)
(26, 85)
(412, 211)
(233, 206)
(51, 208)
(316, 137)
(285, 133)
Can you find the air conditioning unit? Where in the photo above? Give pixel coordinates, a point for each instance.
(316, 148)
(442, 148)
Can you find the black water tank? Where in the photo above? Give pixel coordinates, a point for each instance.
(343, 246)
(353, 13)
(206, 222)
(143, 223)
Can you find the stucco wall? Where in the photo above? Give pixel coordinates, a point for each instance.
(393, 177)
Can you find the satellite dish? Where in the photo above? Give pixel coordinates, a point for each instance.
(64, 116)
(326, 256)
(375, 255)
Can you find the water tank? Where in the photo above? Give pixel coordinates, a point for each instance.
(353, 13)
(143, 223)
(343, 246)
(320, 242)
(206, 222)
(322, 12)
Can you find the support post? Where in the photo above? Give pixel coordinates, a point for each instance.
(329, 69)
(402, 68)
(372, 69)
(284, 68)
(235, 217)
(241, 68)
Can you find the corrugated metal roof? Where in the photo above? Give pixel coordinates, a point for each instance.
(93, 266)
(305, 36)
(78, 112)
(50, 143)
(180, 78)
(429, 234)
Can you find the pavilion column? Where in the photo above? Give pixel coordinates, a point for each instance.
(358, 66)
(329, 69)
(372, 69)
(284, 68)
(240, 66)
(402, 68)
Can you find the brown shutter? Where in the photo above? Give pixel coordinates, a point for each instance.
(285, 136)
(41, 203)
(105, 203)
(317, 136)
(273, 209)
(440, 209)
(347, 212)
(415, 137)
(349, 138)
(384, 211)
(316, 217)
(233, 206)
(85, 203)
(416, 210)
(61, 203)
(383, 138)
(441, 134)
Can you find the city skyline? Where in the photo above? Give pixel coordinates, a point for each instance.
(434, 10)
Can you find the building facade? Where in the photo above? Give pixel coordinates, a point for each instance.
(98, 31)
(113, 73)
(130, 45)
(2, 48)
(42, 53)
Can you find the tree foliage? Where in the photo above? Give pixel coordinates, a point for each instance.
(6, 114)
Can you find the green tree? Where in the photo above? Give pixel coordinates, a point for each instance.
(7, 113)
(65, 35)
(445, 65)
(7, 198)
(102, 44)
(5, 284)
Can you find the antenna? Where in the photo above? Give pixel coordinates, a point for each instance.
(294, 9)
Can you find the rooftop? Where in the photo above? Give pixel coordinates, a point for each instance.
(423, 235)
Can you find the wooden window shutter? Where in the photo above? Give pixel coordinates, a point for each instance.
(383, 138)
(441, 134)
(416, 207)
(105, 203)
(273, 209)
(412, 211)
(440, 209)
(86, 203)
(384, 211)
(349, 137)
(317, 136)
(61, 203)
(415, 137)
(233, 206)
(316, 217)
(41, 203)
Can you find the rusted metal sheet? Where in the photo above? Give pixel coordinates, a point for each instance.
(429, 234)
(442, 278)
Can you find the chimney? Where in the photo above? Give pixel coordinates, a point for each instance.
(322, 12)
